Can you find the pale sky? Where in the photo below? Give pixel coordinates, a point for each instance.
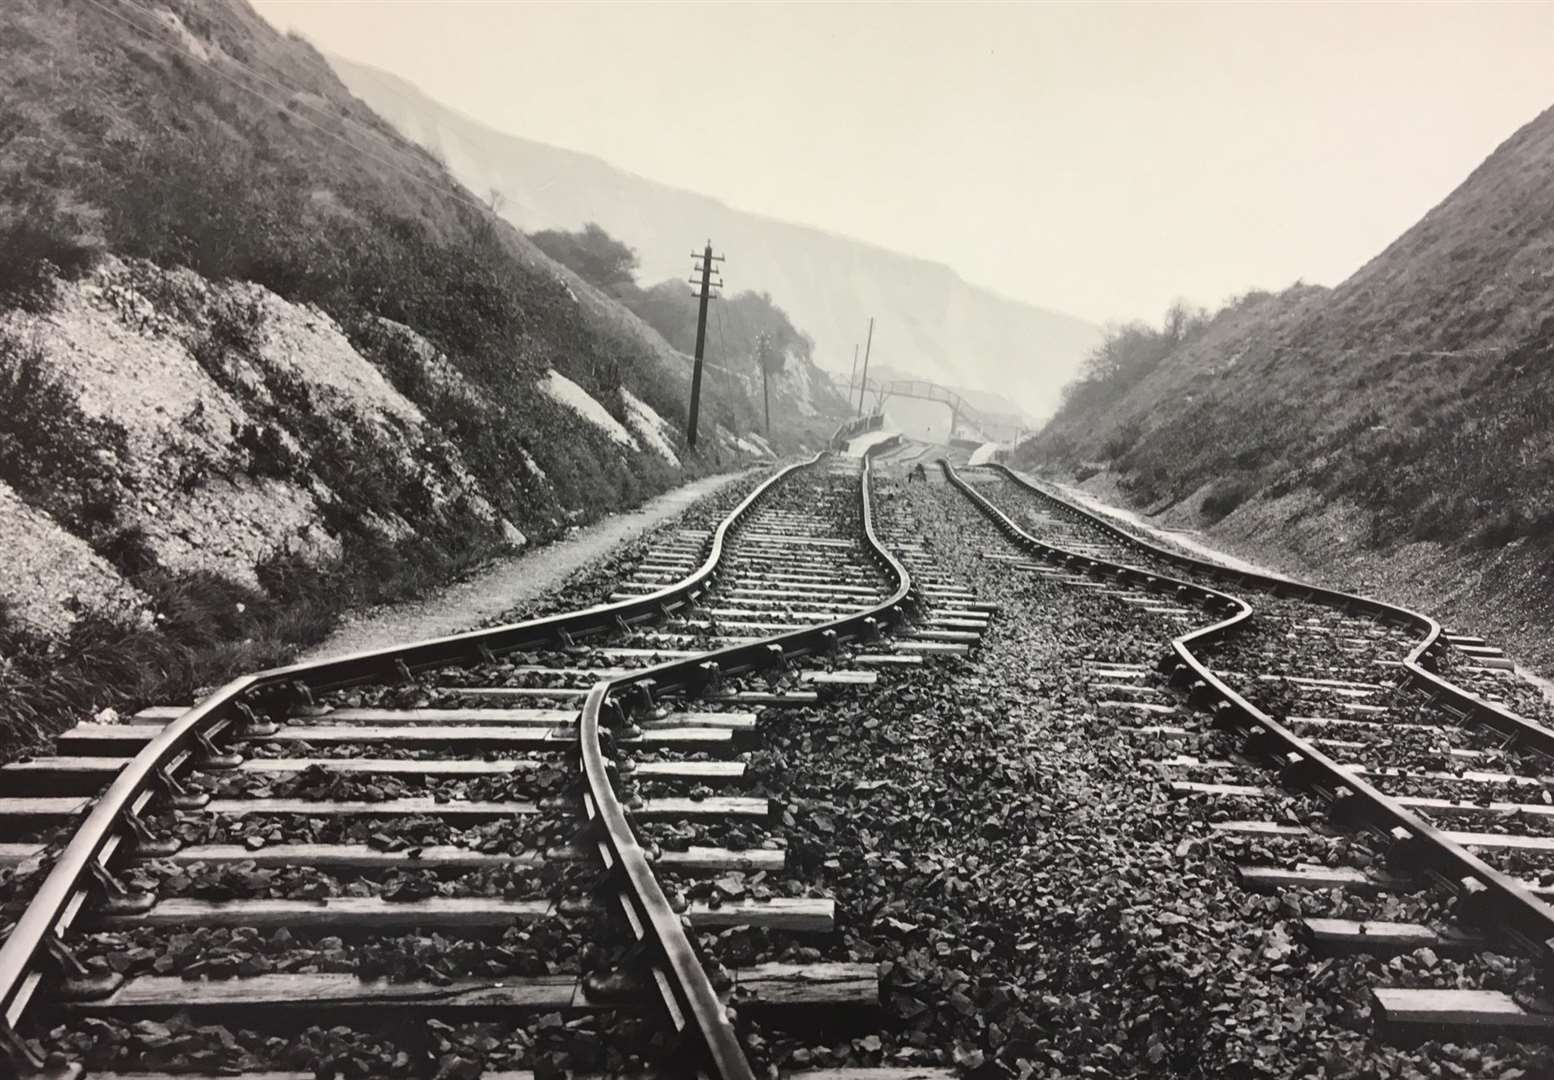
(1097, 159)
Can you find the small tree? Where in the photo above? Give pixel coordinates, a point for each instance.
(591, 253)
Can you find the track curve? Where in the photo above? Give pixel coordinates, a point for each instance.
(1500, 902)
(245, 708)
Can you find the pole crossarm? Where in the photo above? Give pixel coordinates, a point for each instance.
(704, 293)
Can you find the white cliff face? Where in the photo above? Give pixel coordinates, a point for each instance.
(128, 339)
(580, 401)
(649, 426)
(185, 482)
(247, 423)
(930, 323)
(250, 425)
(47, 572)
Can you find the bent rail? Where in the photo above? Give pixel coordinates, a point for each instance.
(116, 814)
(1511, 907)
(618, 845)
(1419, 662)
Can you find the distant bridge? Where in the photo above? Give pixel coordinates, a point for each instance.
(997, 427)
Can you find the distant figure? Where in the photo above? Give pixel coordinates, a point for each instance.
(918, 473)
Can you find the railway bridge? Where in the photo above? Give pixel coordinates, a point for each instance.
(995, 427)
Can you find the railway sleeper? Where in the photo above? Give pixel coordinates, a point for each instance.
(1271, 879)
(1415, 1015)
(284, 998)
(1434, 806)
(1347, 937)
(501, 718)
(25, 814)
(467, 914)
(125, 740)
(82, 775)
(1467, 776)
(595, 675)
(362, 858)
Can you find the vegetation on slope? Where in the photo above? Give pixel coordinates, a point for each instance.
(736, 325)
(116, 140)
(1419, 389)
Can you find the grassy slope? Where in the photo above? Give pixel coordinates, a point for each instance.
(1403, 419)
(122, 141)
(113, 140)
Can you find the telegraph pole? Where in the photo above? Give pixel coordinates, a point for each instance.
(766, 399)
(704, 267)
(763, 356)
(853, 378)
(864, 386)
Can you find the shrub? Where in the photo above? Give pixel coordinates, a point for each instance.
(1225, 496)
(266, 451)
(1123, 439)
(37, 248)
(53, 454)
(232, 328)
(129, 550)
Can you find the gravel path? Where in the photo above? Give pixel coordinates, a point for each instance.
(510, 581)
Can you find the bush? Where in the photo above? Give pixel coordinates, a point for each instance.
(205, 629)
(1225, 496)
(51, 453)
(1123, 439)
(266, 451)
(129, 550)
(37, 249)
(230, 334)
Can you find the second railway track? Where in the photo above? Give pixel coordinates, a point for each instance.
(1349, 754)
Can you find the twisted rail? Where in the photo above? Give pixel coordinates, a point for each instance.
(647, 908)
(1463, 703)
(1503, 903)
(115, 818)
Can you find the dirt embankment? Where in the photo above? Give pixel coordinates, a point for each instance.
(224, 428)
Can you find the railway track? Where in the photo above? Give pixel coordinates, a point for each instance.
(501, 853)
(555, 845)
(1388, 779)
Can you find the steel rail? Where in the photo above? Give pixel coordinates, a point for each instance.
(1504, 903)
(1461, 702)
(66, 889)
(618, 843)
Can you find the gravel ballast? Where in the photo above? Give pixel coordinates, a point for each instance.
(1038, 902)
(998, 842)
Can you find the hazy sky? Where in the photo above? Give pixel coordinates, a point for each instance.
(1098, 159)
